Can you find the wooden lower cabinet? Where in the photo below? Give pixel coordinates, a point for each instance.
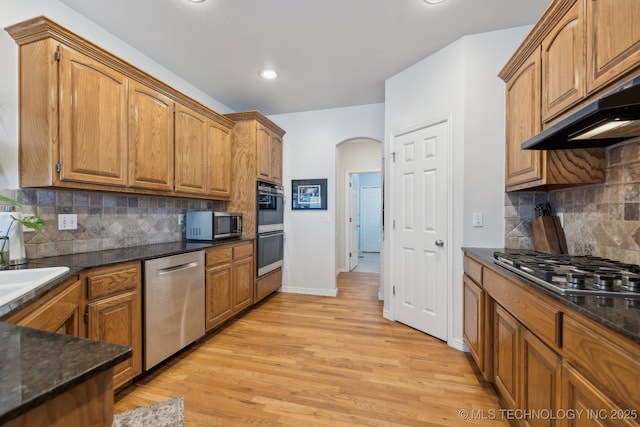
(506, 339)
(89, 404)
(114, 313)
(540, 381)
(551, 365)
(229, 282)
(474, 321)
(59, 311)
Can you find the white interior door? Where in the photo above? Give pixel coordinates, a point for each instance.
(420, 262)
(370, 219)
(354, 221)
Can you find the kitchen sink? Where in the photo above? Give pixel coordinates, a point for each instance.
(16, 283)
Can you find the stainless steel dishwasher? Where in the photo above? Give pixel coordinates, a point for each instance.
(173, 304)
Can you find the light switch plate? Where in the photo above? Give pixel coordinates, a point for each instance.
(477, 219)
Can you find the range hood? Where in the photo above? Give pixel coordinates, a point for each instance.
(609, 120)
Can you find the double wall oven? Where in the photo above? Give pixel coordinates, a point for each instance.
(270, 208)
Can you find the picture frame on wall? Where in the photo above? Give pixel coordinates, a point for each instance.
(309, 194)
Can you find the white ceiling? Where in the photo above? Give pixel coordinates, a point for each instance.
(329, 53)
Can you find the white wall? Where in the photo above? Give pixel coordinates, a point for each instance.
(352, 157)
(459, 82)
(14, 11)
(309, 151)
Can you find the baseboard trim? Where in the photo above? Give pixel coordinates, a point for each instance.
(307, 291)
(458, 344)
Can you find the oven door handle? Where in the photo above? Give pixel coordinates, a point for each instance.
(266, 235)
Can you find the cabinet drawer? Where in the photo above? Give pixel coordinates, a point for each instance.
(268, 284)
(610, 362)
(243, 251)
(536, 313)
(473, 269)
(112, 280)
(215, 256)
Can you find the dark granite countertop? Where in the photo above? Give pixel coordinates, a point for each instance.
(36, 366)
(82, 261)
(616, 313)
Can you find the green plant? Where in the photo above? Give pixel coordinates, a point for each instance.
(31, 221)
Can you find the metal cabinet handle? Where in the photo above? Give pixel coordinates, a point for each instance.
(439, 242)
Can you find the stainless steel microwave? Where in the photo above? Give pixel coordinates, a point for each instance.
(210, 225)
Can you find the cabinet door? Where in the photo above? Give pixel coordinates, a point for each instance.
(540, 381)
(114, 312)
(60, 313)
(506, 360)
(150, 139)
(219, 161)
(190, 146)
(523, 122)
(263, 147)
(117, 320)
(613, 40)
(563, 63)
(218, 295)
(93, 118)
(595, 409)
(474, 320)
(243, 278)
(276, 159)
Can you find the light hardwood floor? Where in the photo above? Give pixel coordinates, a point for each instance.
(302, 360)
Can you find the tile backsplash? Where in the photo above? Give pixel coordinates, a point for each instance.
(600, 219)
(105, 220)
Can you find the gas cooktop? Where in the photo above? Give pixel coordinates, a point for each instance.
(574, 275)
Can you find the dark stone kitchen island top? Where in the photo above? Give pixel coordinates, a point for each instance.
(36, 366)
(618, 313)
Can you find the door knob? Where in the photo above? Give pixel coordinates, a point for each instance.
(439, 242)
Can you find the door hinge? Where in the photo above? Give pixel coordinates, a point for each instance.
(394, 289)
(56, 56)
(58, 167)
(394, 224)
(86, 317)
(393, 157)
(350, 255)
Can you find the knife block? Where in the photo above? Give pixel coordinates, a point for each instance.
(547, 235)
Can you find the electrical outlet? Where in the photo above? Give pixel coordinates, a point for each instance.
(67, 222)
(477, 219)
(180, 219)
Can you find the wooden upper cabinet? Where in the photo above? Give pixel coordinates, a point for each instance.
(219, 160)
(523, 122)
(276, 158)
(89, 120)
(93, 117)
(263, 147)
(269, 152)
(151, 159)
(563, 63)
(191, 150)
(613, 40)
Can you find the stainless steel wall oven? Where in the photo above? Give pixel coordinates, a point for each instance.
(270, 224)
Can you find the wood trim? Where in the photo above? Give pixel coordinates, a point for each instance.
(259, 117)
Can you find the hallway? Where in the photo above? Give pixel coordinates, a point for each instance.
(368, 262)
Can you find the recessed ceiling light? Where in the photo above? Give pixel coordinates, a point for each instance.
(196, 1)
(268, 74)
(433, 1)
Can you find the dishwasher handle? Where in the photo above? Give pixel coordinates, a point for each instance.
(176, 268)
